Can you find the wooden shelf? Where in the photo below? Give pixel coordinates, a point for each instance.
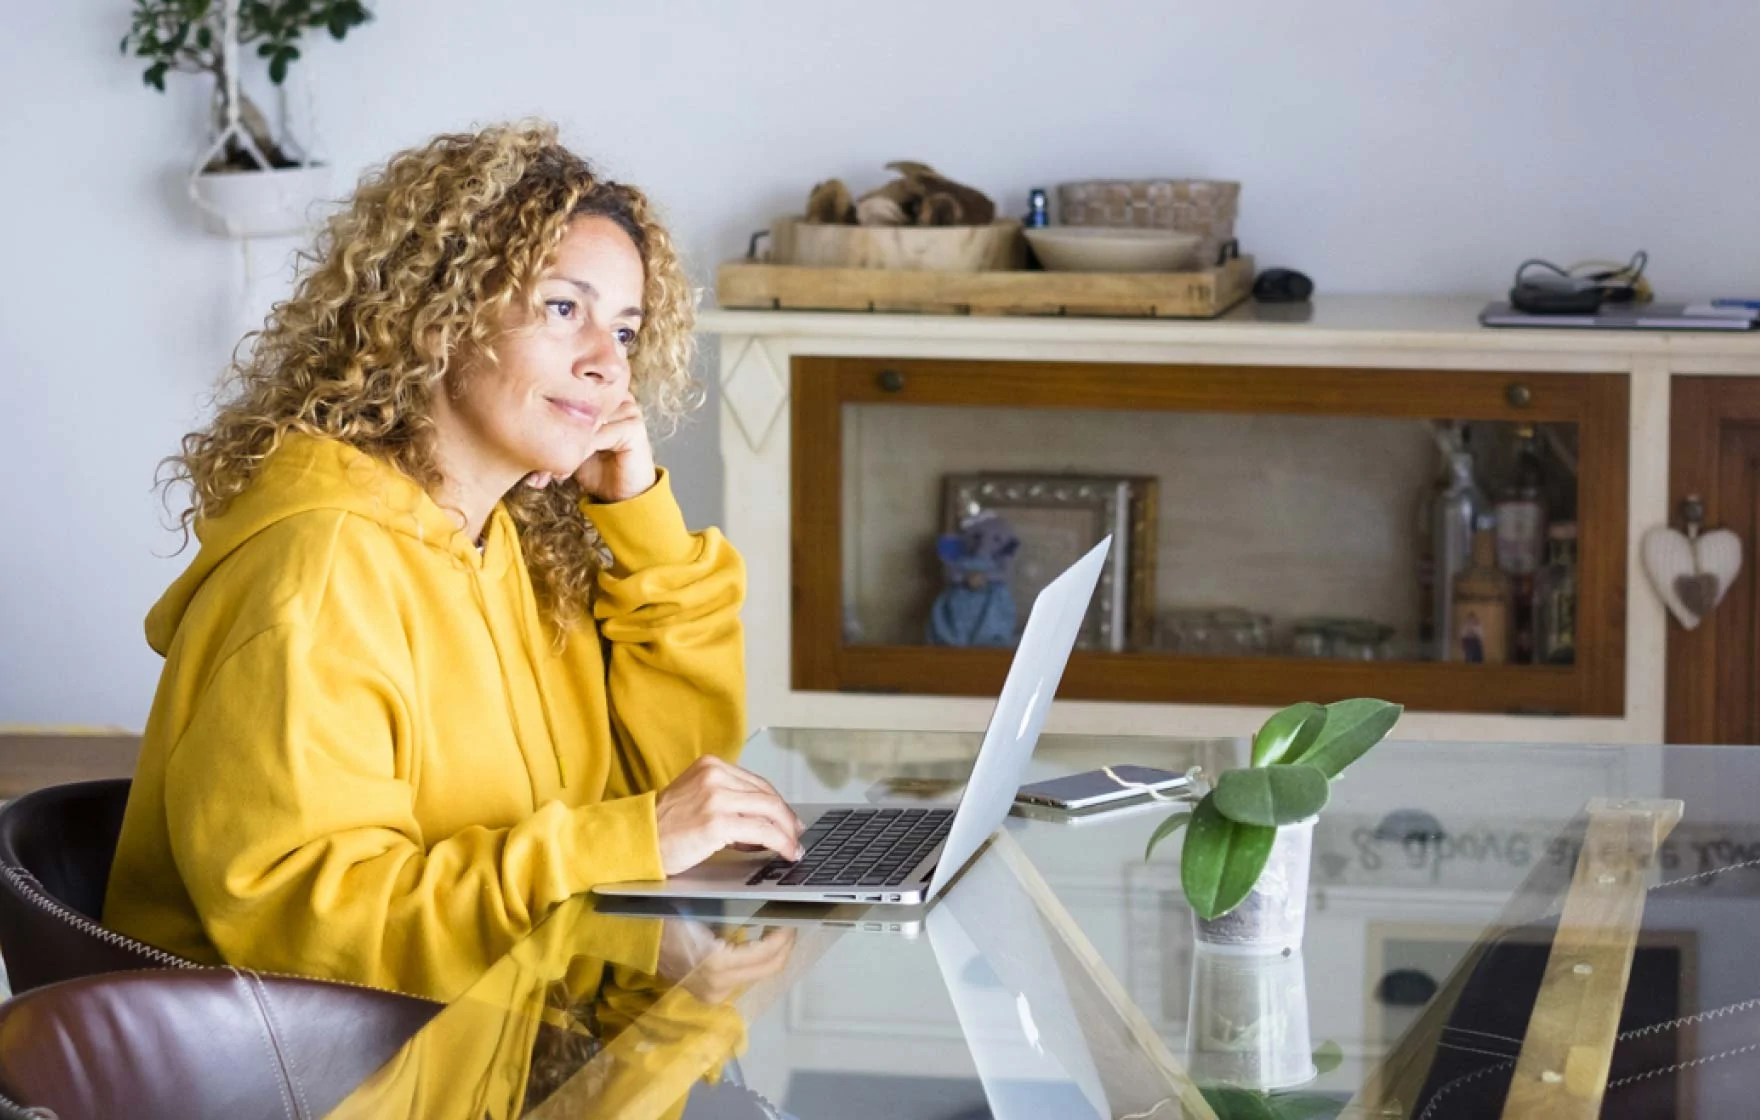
(1596, 403)
(32, 760)
(1259, 681)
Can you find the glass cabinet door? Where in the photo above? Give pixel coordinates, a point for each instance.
(1454, 540)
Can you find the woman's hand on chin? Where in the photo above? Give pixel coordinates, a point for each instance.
(621, 465)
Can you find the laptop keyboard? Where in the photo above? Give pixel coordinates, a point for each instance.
(860, 848)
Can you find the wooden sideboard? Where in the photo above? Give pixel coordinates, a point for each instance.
(794, 387)
(31, 760)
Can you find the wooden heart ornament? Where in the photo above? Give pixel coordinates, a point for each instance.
(1692, 574)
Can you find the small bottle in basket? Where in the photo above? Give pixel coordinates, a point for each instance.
(1038, 216)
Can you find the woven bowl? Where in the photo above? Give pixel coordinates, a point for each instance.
(1092, 249)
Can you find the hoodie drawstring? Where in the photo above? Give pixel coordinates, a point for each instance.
(530, 621)
(502, 659)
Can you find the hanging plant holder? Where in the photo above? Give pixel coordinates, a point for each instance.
(260, 201)
(269, 203)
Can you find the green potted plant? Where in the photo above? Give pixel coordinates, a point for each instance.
(1244, 866)
(251, 182)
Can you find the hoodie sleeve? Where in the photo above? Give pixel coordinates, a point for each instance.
(668, 609)
(290, 806)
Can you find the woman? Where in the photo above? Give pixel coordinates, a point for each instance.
(447, 654)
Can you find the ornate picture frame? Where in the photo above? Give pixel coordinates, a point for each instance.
(1058, 517)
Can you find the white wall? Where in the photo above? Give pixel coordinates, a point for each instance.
(1384, 145)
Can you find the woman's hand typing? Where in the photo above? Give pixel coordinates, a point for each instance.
(714, 805)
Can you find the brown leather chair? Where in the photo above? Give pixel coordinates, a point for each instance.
(194, 1043)
(56, 845)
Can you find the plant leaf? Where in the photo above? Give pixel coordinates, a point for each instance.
(1352, 727)
(1165, 829)
(1288, 733)
(1221, 859)
(1303, 1106)
(278, 65)
(1328, 1057)
(1231, 1103)
(1273, 796)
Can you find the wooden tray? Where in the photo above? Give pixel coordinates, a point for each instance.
(1147, 295)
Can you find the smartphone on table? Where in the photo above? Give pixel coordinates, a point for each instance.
(1091, 788)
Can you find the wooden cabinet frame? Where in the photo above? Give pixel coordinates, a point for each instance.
(1714, 452)
(1596, 402)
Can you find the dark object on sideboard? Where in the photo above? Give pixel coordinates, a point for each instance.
(1282, 285)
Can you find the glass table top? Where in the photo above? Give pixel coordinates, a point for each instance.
(1470, 909)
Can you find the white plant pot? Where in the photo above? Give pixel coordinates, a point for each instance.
(276, 203)
(1248, 1021)
(1272, 918)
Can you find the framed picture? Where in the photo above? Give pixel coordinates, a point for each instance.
(1058, 517)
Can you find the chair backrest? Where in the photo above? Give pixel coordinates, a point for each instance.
(197, 1042)
(56, 845)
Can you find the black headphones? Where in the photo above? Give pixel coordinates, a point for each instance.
(1543, 288)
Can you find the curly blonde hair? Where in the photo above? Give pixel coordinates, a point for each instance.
(414, 278)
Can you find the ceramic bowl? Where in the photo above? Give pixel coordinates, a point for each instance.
(1105, 249)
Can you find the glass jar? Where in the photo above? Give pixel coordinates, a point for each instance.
(1350, 639)
(1186, 631)
(1311, 637)
(1361, 640)
(1239, 633)
(1221, 632)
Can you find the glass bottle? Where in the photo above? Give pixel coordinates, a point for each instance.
(1457, 510)
(1521, 537)
(1481, 615)
(1555, 598)
(1425, 557)
(1521, 509)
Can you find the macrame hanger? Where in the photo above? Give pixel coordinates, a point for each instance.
(310, 150)
(230, 128)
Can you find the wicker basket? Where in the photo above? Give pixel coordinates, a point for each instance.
(1206, 207)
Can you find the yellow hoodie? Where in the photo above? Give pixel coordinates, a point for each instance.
(368, 761)
(474, 1060)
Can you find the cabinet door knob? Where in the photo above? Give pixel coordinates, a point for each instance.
(891, 380)
(1519, 395)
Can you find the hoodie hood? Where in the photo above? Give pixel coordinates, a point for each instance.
(303, 474)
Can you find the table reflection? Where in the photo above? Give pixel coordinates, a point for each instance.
(1060, 976)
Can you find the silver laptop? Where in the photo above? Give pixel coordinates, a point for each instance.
(1047, 1025)
(1017, 1013)
(907, 855)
